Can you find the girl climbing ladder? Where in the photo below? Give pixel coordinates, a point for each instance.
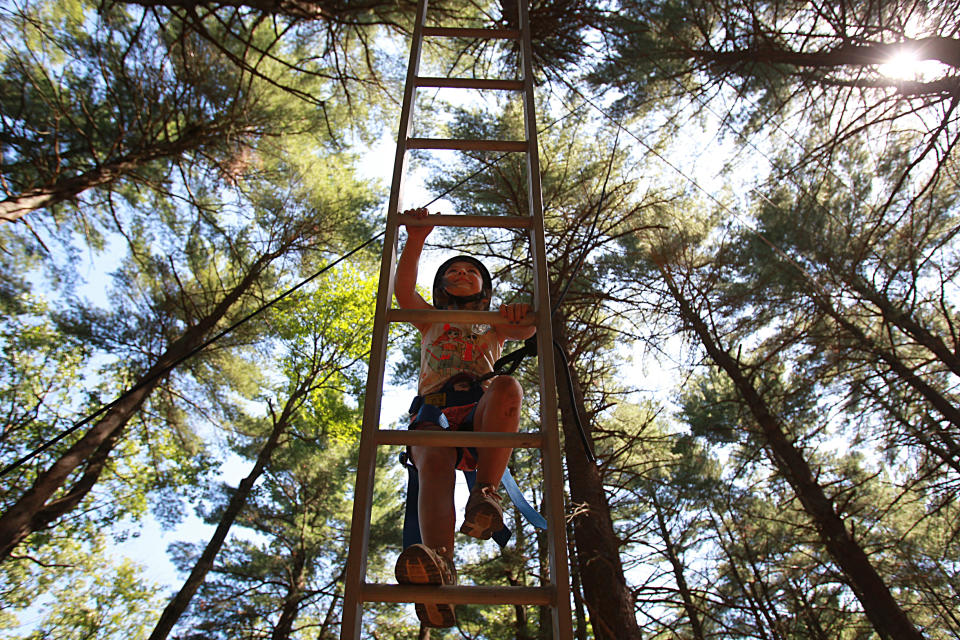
(554, 594)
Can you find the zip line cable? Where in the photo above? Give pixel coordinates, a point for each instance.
(148, 381)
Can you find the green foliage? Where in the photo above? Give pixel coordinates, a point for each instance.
(67, 590)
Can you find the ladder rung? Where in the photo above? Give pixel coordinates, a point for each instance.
(480, 34)
(543, 596)
(441, 220)
(424, 437)
(460, 316)
(467, 145)
(471, 83)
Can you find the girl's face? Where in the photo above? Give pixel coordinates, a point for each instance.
(462, 279)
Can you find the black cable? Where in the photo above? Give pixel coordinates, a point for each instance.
(587, 447)
(150, 380)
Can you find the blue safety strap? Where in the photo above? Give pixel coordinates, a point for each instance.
(516, 496)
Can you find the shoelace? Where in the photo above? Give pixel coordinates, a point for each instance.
(490, 492)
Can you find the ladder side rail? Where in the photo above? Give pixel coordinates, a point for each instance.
(355, 576)
(551, 453)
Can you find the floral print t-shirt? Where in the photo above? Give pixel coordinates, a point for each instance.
(448, 349)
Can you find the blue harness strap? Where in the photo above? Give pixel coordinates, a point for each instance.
(516, 496)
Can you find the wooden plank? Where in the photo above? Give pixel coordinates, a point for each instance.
(543, 596)
(467, 145)
(471, 83)
(469, 220)
(530, 440)
(477, 34)
(458, 316)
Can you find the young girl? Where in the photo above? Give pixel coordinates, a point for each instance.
(452, 359)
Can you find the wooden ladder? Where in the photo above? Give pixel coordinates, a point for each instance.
(555, 593)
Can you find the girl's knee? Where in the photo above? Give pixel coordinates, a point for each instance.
(506, 389)
(435, 460)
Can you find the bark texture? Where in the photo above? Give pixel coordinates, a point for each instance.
(605, 591)
(69, 188)
(35, 510)
(198, 574)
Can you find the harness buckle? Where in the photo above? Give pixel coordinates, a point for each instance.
(436, 399)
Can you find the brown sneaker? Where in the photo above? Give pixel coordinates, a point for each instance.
(483, 516)
(419, 564)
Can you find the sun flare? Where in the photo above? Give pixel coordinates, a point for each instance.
(905, 65)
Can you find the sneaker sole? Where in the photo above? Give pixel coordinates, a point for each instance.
(415, 566)
(482, 522)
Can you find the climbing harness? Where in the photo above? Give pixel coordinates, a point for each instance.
(428, 409)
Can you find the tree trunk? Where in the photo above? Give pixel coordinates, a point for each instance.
(758, 610)
(579, 614)
(947, 450)
(946, 408)
(673, 556)
(943, 49)
(605, 591)
(325, 631)
(64, 189)
(179, 603)
(904, 321)
(543, 562)
(885, 614)
(291, 602)
(516, 577)
(32, 510)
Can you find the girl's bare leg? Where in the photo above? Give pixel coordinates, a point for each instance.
(498, 410)
(436, 467)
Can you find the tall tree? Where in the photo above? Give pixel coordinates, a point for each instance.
(106, 99)
(321, 340)
(885, 613)
(230, 277)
